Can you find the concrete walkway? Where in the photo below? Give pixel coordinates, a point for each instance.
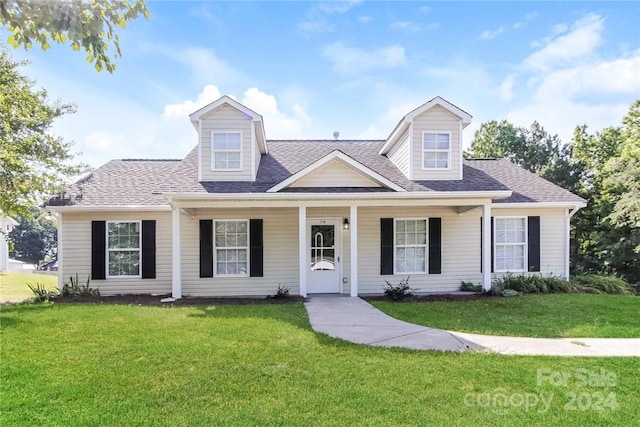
(355, 320)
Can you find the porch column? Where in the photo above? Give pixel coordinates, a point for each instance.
(176, 267)
(302, 248)
(567, 244)
(486, 247)
(58, 217)
(354, 250)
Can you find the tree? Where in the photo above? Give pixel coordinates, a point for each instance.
(34, 238)
(33, 163)
(87, 24)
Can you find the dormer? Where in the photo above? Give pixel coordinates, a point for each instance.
(231, 141)
(427, 143)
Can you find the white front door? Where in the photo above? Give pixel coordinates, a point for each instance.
(323, 256)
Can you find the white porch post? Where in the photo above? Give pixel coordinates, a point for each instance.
(353, 214)
(176, 267)
(567, 244)
(302, 248)
(486, 246)
(58, 217)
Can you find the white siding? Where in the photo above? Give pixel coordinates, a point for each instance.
(399, 156)
(552, 237)
(436, 119)
(335, 174)
(226, 118)
(460, 249)
(76, 241)
(280, 237)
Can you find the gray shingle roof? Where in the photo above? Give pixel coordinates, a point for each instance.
(139, 182)
(118, 182)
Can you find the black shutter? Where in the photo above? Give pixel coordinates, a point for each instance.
(149, 249)
(206, 248)
(255, 248)
(435, 245)
(386, 246)
(98, 250)
(492, 244)
(534, 243)
(481, 242)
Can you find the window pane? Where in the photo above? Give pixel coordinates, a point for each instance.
(233, 236)
(429, 140)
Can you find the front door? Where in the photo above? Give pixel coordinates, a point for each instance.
(323, 263)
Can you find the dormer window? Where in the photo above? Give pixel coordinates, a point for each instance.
(226, 151)
(436, 150)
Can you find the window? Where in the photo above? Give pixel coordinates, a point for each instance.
(123, 244)
(436, 150)
(511, 243)
(231, 240)
(410, 246)
(226, 150)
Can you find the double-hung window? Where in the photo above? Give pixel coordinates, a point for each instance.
(510, 244)
(436, 150)
(410, 246)
(231, 240)
(226, 150)
(123, 248)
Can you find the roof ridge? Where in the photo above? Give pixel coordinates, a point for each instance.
(149, 160)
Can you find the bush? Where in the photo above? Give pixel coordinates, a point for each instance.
(470, 287)
(73, 288)
(282, 292)
(600, 284)
(399, 291)
(41, 294)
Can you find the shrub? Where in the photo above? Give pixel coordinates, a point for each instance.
(282, 292)
(41, 294)
(600, 284)
(73, 288)
(399, 291)
(470, 287)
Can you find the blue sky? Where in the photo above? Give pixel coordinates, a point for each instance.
(312, 68)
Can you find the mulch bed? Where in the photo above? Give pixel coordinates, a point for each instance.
(155, 300)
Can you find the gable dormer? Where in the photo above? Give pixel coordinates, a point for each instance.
(427, 143)
(231, 141)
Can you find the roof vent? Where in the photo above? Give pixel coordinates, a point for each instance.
(336, 135)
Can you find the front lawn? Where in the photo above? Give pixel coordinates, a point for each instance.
(72, 364)
(13, 286)
(555, 315)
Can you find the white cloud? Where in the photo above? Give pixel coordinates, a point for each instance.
(277, 123)
(352, 60)
(338, 6)
(209, 94)
(315, 26)
(506, 88)
(582, 40)
(424, 10)
(491, 34)
(409, 27)
(365, 19)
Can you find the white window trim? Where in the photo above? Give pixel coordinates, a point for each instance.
(525, 243)
(215, 249)
(436, 150)
(213, 151)
(426, 246)
(108, 250)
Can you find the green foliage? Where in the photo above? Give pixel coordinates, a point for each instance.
(73, 288)
(41, 293)
(281, 292)
(90, 25)
(398, 291)
(33, 163)
(34, 238)
(600, 284)
(470, 287)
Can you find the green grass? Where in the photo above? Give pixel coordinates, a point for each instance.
(69, 364)
(556, 315)
(13, 286)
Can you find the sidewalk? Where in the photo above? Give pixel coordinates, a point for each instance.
(355, 320)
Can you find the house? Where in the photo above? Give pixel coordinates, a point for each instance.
(6, 225)
(241, 214)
